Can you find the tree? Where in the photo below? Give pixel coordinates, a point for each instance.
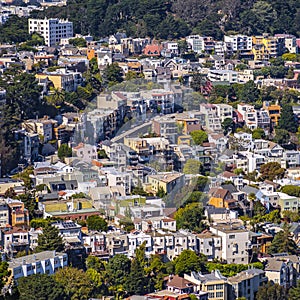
(282, 136)
(258, 133)
(137, 282)
(291, 190)
(271, 171)
(192, 166)
(118, 269)
(127, 224)
(188, 261)
(288, 119)
(93, 262)
(191, 217)
(96, 223)
(199, 136)
(228, 126)
(259, 209)
(50, 239)
(283, 242)
(161, 192)
(40, 286)
(64, 151)
(112, 74)
(294, 292)
(77, 284)
(4, 273)
(78, 42)
(271, 291)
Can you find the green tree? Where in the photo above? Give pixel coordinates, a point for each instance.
(64, 151)
(112, 74)
(188, 261)
(192, 166)
(161, 192)
(199, 136)
(271, 171)
(258, 133)
(283, 242)
(191, 217)
(118, 269)
(4, 273)
(40, 286)
(291, 190)
(228, 125)
(50, 239)
(93, 262)
(78, 42)
(77, 284)
(294, 292)
(127, 225)
(96, 223)
(287, 119)
(282, 136)
(271, 291)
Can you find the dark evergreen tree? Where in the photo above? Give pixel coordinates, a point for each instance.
(283, 242)
(288, 119)
(50, 239)
(294, 292)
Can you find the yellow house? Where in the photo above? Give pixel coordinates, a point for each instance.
(60, 81)
(274, 111)
(221, 198)
(168, 181)
(271, 45)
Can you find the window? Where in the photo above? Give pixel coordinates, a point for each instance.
(219, 286)
(211, 287)
(232, 236)
(219, 294)
(211, 295)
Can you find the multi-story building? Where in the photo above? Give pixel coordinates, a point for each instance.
(246, 284)
(4, 213)
(85, 152)
(46, 262)
(52, 30)
(19, 215)
(165, 127)
(280, 270)
(215, 284)
(168, 181)
(274, 111)
(14, 240)
(43, 127)
(241, 43)
(212, 120)
(224, 111)
(223, 75)
(249, 115)
(235, 242)
(210, 245)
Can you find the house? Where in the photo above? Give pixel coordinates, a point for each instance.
(209, 244)
(18, 214)
(212, 119)
(43, 127)
(46, 262)
(220, 198)
(235, 242)
(85, 152)
(4, 214)
(8, 183)
(177, 284)
(246, 284)
(152, 50)
(14, 239)
(167, 181)
(280, 270)
(214, 283)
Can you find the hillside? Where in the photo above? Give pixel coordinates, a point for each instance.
(176, 18)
